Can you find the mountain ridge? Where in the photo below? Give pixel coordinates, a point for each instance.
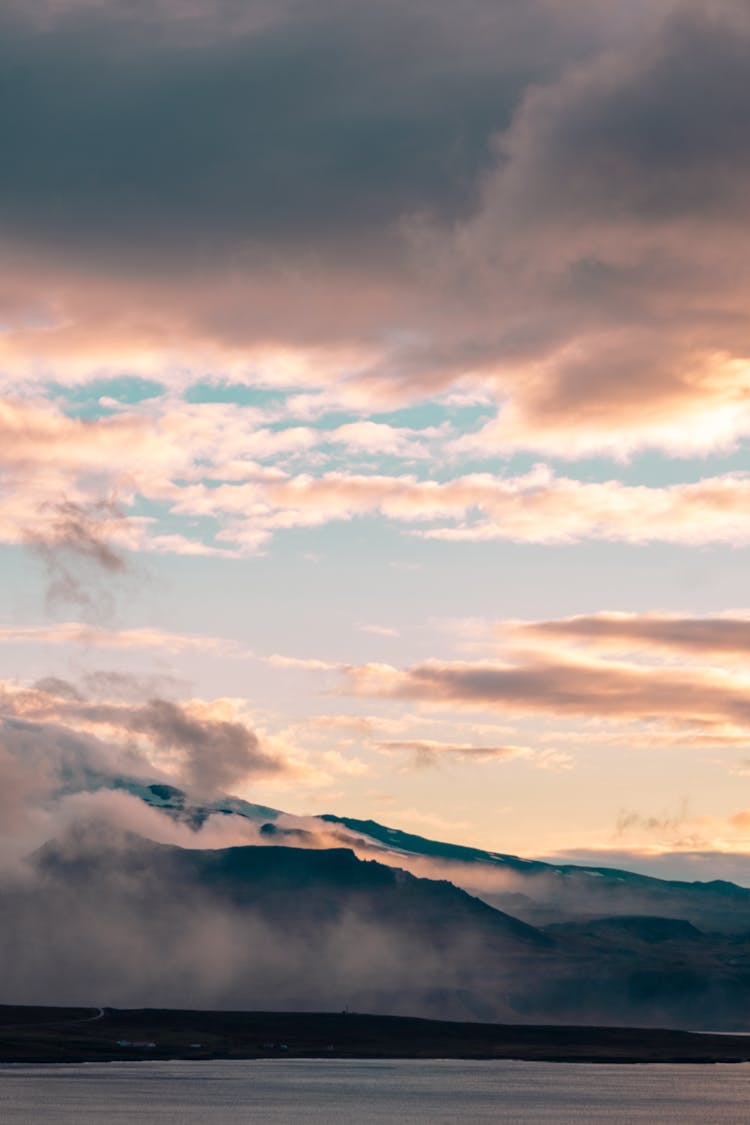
(536, 892)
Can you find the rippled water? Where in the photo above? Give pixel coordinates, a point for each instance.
(363, 1093)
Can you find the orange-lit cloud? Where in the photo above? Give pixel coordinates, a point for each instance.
(537, 507)
(553, 685)
(727, 635)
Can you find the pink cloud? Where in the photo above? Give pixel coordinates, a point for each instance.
(678, 634)
(167, 452)
(542, 684)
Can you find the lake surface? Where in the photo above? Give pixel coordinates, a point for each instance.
(366, 1093)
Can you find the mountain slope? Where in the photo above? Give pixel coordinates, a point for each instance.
(538, 893)
(121, 921)
(543, 893)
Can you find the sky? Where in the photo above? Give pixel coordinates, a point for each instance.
(374, 412)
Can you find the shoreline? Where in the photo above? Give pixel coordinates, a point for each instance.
(50, 1036)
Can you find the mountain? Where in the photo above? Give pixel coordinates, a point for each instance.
(176, 802)
(114, 919)
(289, 884)
(544, 893)
(538, 893)
(335, 913)
(119, 920)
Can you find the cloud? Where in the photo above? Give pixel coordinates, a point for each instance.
(541, 507)
(62, 745)
(431, 740)
(535, 507)
(383, 439)
(610, 243)
(77, 552)
(115, 724)
(690, 865)
(727, 635)
(75, 632)
(553, 685)
(670, 825)
(309, 664)
(42, 759)
(81, 532)
(198, 468)
(379, 630)
(20, 779)
(204, 746)
(270, 83)
(428, 751)
(217, 753)
(543, 202)
(210, 226)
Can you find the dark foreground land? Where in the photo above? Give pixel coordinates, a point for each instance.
(29, 1035)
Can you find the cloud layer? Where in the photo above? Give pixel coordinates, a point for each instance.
(220, 481)
(545, 202)
(672, 679)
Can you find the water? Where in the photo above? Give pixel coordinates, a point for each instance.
(371, 1093)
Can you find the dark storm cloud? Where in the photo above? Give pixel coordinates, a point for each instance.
(547, 196)
(315, 123)
(198, 125)
(650, 135)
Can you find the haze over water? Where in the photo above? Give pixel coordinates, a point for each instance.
(370, 1092)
